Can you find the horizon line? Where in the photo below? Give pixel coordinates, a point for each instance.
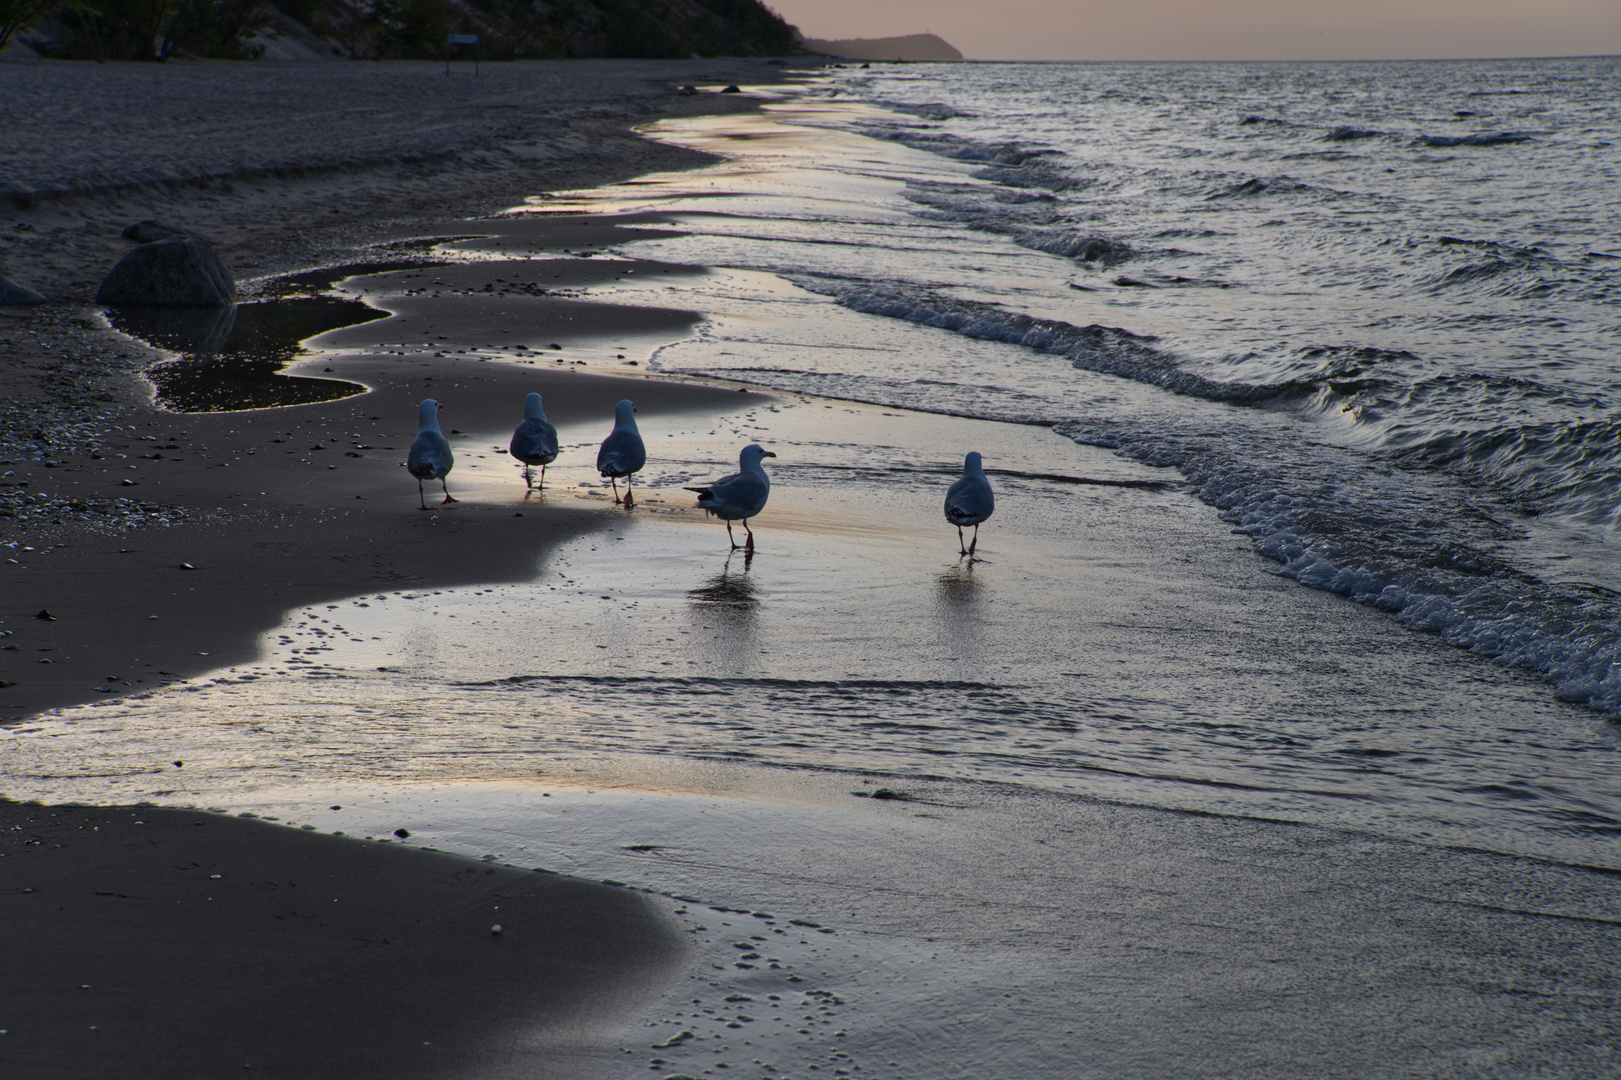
(1249, 60)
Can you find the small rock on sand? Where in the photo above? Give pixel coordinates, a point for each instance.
(148, 232)
(11, 293)
(181, 271)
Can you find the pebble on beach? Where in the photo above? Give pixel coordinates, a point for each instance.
(150, 232)
(13, 294)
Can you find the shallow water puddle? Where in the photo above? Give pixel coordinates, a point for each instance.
(233, 358)
(244, 369)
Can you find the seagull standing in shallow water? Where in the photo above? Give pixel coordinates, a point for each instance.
(622, 451)
(969, 501)
(535, 440)
(740, 495)
(430, 457)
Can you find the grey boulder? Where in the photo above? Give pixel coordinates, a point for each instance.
(16, 294)
(181, 271)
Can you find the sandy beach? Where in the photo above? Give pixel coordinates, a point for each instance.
(161, 546)
(272, 803)
(73, 391)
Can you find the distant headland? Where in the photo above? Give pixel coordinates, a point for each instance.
(909, 47)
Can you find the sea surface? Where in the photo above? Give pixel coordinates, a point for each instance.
(1368, 311)
(1296, 384)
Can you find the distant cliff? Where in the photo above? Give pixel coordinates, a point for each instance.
(910, 47)
(400, 29)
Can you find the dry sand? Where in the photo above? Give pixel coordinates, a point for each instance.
(144, 942)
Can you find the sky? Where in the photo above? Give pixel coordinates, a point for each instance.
(1227, 29)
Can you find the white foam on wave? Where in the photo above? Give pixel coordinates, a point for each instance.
(1393, 541)
(1107, 350)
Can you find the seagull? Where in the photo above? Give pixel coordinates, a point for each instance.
(622, 451)
(430, 457)
(740, 495)
(969, 501)
(535, 440)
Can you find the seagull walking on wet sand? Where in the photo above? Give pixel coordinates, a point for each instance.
(622, 452)
(969, 501)
(430, 457)
(740, 495)
(535, 440)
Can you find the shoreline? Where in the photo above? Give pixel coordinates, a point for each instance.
(946, 925)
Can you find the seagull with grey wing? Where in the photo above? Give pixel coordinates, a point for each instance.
(535, 440)
(969, 501)
(430, 457)
(622, 452)
(740, 495)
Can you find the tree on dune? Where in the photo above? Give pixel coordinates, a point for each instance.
(160, 30)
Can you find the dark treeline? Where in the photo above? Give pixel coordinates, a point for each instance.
(398, 29)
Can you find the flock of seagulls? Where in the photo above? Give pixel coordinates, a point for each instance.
(737, 497)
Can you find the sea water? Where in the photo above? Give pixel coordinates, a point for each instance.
(1396, 282)
(1294, 383)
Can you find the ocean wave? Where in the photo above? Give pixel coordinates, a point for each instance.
(1350, 134)
(1026, 219)
(961, 149)
(1564, 469)
(1390, 538)
(1523, 267)
(1107, 350)
(1075, 245)
(1484, 138)
(1033, 174)
(1011, 163)
(991, 208)
(728, 682)
(1338, 133)
(929, 110)
(1493, 432)
(1274, 185)
(1268, 121)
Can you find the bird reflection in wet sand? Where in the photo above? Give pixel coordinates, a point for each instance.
(728, 590)
(961, 615)
(957, 590)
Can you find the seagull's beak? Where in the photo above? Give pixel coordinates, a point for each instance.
(769, 454)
